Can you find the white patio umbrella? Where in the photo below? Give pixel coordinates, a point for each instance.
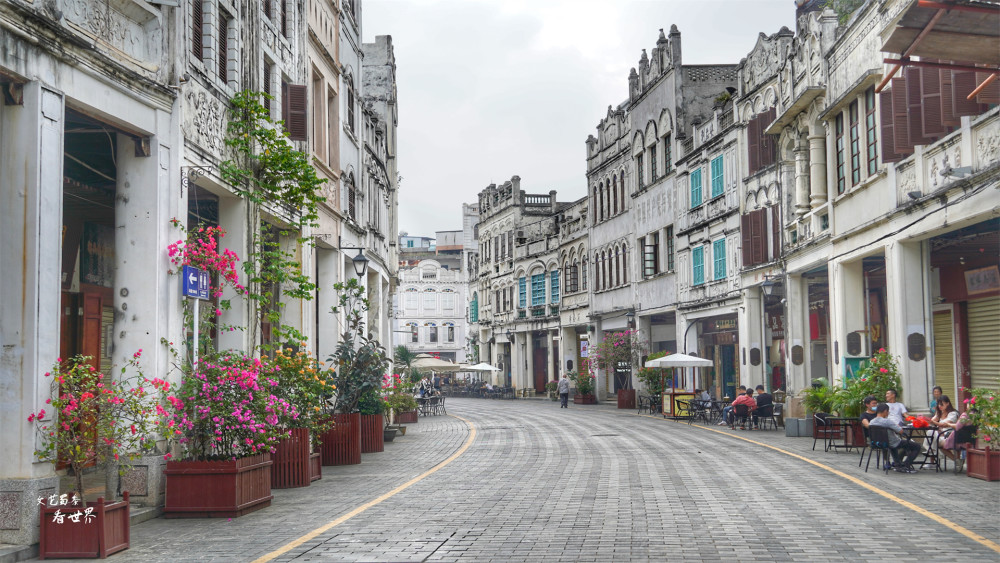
(679, 361)
(482, 366)
(432, 364)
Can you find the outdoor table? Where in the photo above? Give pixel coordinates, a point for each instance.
(842, 429)
(715, 410)
(423, 405)
(928, 436)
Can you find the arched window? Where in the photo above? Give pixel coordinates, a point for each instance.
(624, 264)
(618, 267)
(614, 195)
(600, 205)
(621, 189)
(584, 273)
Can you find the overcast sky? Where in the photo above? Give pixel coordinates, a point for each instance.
(489, 89)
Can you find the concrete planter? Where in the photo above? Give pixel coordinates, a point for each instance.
(792, 427)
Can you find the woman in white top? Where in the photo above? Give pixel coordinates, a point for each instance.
(945, 418)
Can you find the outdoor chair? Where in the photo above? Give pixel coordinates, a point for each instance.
(777, 413)
(686, 408)
(432, 405)
(965, 437)
(880, 445)
(645, 404)
(823, 430)
(700, 411)
(761, 416)
(741, 414)
(439, 406)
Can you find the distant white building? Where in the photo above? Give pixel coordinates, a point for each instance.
(430, 310)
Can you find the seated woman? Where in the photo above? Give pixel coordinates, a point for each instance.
(946, 420)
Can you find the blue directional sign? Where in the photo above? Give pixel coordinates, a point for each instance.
(196, 282)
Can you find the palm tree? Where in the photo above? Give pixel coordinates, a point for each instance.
(403, 358)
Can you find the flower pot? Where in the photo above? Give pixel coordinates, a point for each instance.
(291, 461)
(218, 489)
(983, 463)
(402, 430)
(389, 433)
(372, 438)
(342, 443)
(103, 532)
(407, 417)
(315, 466)
(584, 400)
(626, 398)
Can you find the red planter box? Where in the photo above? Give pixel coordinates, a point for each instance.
(406, 417)
(217, 489)
(315, 466)
(342, 443)
(371, 434)
(106, 532)
(584, 400)
(291, 461)
(626, 398)
(983, 464)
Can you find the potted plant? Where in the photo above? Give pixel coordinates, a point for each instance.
(359, 361)
(400, 404)
(307, 386)
(226, 420)
(583, 381)
(983, 461)
(371, 407)
(552, 389)
(618, 350)
(92, 419)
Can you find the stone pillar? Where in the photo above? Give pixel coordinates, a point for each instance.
(328, 327)
(848, 310)
(750, 320)
(797, 376)
(233, 218)
(909, 296)
(31, 170)
(601, 383)
(817, 169)
(801, 180)
(568, 346)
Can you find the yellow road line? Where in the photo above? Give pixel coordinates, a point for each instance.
(923, 511)
(295, 543)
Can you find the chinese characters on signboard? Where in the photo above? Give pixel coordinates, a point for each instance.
(87, 515)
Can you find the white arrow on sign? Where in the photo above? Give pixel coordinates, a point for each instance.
(193, 279)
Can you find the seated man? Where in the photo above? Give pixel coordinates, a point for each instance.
(898, 446)
(870, 403)
(741, 390)
(765, 405)
(897, 411)
(746, 400)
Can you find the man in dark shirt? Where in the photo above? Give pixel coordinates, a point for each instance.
(870, 403)
(765, 405)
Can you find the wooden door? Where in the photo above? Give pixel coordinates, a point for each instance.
(540, 363)
(90, 327)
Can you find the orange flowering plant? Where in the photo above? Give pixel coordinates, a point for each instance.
(308, 386)
(95, 419)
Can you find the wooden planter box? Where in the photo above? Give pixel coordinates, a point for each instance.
(315, 466)
(584, 400)
(372, 438)
(217, 489)
(626, 398)
(407, 417)
(983, 464)
(342, 443)
(103, 532)
(291, 461)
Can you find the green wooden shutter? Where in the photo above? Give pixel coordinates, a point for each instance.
(718, 184)
(719, 257)
(696, 188)
(555, 285)
(522, 292)
(698, 263)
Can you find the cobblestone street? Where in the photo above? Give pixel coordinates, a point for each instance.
(593, 483)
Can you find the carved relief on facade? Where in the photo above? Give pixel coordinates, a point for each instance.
(204, 119)
(987, 145)
(764, 59)
(135, 34)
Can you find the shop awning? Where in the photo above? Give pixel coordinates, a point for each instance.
(956, 34)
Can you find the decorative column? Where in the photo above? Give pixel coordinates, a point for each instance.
(801, 179)
(797, 376)
(233, 218)
(31, 164)
(529, 356)
(817, 169)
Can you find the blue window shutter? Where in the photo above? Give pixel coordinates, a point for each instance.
(696, 188)
(555, 286)
(719, 256)
(698, 263)
(538, 289)
(718, 183)
(522, 292)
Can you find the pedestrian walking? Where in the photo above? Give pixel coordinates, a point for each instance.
(564, 392)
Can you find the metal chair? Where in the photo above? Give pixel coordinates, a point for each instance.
(823, 430)
(740, 413)
(880, 445)
(964, 438)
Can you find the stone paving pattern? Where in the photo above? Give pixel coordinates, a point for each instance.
(592, 483)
